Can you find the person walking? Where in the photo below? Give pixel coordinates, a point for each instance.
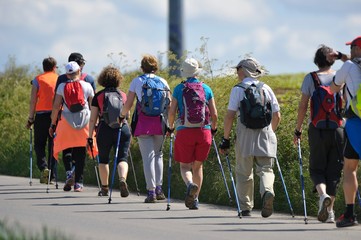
(67, 153)
(256, 141)
(107, 135)
(42, 94)
(72, 128)
(153, 97)
(325, 142)
(348, 77)
(193, 140)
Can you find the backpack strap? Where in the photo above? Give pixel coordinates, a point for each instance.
(316, 79)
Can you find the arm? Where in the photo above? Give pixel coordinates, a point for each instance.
(228, 122)
(54, 113)
(335, 88)
(213, 112)
(93, 119)
(172, 112)
(302, 110)
(33, 101)
(128, 104)
(276, 118)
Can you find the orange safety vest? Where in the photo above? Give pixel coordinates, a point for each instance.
(45, 95)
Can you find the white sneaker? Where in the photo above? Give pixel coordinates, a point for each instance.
(331, 217)
(325, 201)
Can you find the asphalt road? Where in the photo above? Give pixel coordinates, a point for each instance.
(86, 216)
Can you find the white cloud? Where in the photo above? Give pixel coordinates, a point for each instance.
(283, 34)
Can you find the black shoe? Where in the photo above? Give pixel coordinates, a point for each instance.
(267, 204)
(246, 213)
(346, 222)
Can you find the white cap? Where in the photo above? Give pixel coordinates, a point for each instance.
(72, 67)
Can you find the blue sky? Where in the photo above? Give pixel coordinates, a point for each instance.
(282, 34)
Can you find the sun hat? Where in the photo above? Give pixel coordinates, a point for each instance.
(72, 67)
(251, 67)
(190, 68)
(356, 41)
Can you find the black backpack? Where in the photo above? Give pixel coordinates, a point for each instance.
(255, 109)
(112, 107)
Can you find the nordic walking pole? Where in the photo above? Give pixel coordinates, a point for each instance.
(234, 186)
(115, 164)
(170, 169)
(52, 168)
(95, 167)
(284, 187)
(135, 177)
(222, 171)
(31, 157)
(302, 180)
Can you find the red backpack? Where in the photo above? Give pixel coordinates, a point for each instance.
(325, 106)
(195, 105)
(74, 96)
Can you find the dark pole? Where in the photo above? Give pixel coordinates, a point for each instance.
(175, 34)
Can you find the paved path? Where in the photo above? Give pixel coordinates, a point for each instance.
(87, 216)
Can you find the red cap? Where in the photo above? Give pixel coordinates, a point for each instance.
(356, 41)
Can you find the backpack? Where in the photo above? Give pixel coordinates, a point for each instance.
(325, 106)
(356, 100)
(154, 96)
(255, 109)
(112, 107)
(195, 105)
(355, 103)
(79, 115)
(74, 96)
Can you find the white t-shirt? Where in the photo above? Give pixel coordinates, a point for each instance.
(136, 85)
(87, 89)
(350, 74)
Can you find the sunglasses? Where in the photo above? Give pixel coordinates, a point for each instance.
(352, 46)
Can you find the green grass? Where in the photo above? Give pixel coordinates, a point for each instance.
(16, 231)
(14, 140)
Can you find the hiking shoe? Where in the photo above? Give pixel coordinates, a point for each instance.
(151, 198)
(159, 193)
(78, 187)
(325, 201)
(246, 213)
(331, 217)
(267, 204)
(44, 176)
(346, 222)
(103, 191)
(195, 205)
(123, 186)
(69, 181)
(191, 195)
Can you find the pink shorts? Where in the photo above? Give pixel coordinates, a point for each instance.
(192, 144)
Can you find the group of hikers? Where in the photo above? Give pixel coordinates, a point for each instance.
(69, 116)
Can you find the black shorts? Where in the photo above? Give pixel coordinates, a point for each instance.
(348, 151)
(107, 139)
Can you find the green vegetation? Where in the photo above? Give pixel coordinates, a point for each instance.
(14, 140)
(16, 232)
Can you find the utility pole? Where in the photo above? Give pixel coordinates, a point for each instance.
(175, 34)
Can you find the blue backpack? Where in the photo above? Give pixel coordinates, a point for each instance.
(154, 96)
